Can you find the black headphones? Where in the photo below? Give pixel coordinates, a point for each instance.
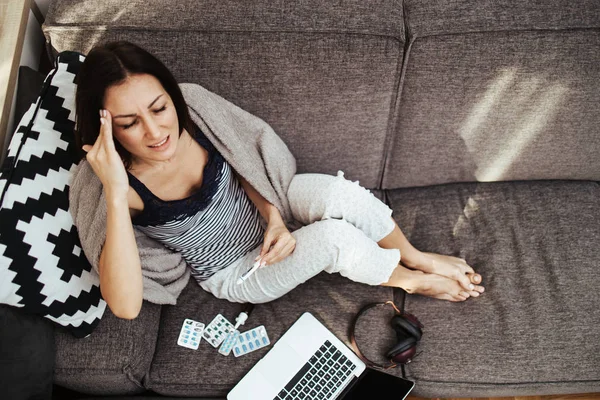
(408, 332)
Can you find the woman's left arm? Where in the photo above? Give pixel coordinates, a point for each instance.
(279, 242)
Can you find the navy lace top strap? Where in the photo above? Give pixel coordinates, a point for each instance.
(157, 211)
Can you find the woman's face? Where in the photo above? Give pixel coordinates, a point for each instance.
(144, 118)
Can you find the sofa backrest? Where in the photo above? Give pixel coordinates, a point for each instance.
(322, 75)
(497, 91)
(396, 94)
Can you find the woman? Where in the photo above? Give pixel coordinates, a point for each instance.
(200, 187)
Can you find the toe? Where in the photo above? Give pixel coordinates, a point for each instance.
(468, 269)
(480, 289)
(475, 278)
(464, 281)
(460, 298)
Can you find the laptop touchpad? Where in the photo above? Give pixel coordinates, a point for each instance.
(282, 354)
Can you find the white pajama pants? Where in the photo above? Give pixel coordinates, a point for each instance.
(342, 224)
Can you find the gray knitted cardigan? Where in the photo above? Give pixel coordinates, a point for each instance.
(248, 144)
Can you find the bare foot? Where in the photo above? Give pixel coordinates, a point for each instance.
(432, 285)
(450, 267)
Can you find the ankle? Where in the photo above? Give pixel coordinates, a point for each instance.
(417, 260)
(406, 279)
(413, 282)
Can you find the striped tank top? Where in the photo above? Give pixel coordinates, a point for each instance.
(213, 227)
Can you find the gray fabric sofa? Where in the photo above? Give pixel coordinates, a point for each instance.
(476, 121)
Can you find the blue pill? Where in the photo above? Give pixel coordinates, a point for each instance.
(185, 341)
(247, 336)
(244, 347)
(254, 333)
(236, 350)
(257, 343)
(251, 346)
(265, 340)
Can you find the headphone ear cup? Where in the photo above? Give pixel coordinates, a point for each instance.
(405, 357)
(402, 346)
(403, 324)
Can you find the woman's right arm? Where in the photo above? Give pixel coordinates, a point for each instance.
(120, 267)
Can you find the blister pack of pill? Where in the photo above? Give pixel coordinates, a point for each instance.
(230, 341)
(250, 341)
(190, 334)
(217, 330)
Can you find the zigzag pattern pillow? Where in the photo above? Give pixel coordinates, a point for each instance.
(42, 267)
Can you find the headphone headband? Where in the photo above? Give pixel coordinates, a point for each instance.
(408, 332)
(353, 339)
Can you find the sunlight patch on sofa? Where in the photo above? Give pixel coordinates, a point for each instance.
(518, 108)
(470, 210)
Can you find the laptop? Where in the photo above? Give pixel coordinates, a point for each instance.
(310, 362)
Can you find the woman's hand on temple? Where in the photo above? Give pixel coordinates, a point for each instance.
(105, 160)
(279, 243)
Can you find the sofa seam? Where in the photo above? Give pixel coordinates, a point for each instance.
(518, 30)
(145, 380)
(128, 366)
(96, 28)
(394, 116)
(500, 384)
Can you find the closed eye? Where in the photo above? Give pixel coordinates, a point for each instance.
(163, 108)
(130, 125)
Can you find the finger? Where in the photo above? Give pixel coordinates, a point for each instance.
(100, 136)
(106, 129)
(285, 252)
(274, 252)
(265, 247)
(86, 147)
(288, 250)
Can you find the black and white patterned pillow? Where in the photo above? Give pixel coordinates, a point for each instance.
(42, 267)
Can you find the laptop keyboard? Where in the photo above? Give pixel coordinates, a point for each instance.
(320, 377)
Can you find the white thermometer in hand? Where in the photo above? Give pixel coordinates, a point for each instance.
(247, 274)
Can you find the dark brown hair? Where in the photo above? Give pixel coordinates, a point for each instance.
(111, 64)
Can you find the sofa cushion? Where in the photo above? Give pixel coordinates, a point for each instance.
(535, 329)
(377, 18)
(498, 106)
(114, 359)
(322, 74)
(441, 17)
(179, 371)
(42, 266)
